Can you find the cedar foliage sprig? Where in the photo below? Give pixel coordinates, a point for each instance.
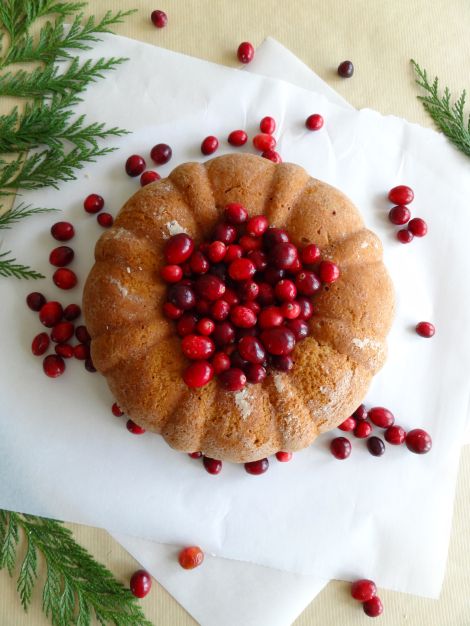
(448, 116)
(77, 587)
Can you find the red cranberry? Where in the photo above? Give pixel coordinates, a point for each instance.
(135, 165)
(62, 332)
(89, 366)
(314, 122)
(328, 272)
(234, 251)
(259, 259)
(216, 251)
(212, 466)
(62, 231)
(105, 220)
(53, 366)
(348, 424)
(340, 447)
(64, 278)
(425, 329)
(248, 290)
(274, 236)
(134, 428)
(361, 412)
(171, 311)
(178, 249)
(226, 233)
(198, 374)
(195, 455)
(245, 52)
(418, 227)
(233, 379)
(40, 344)
(299, 328)
(345, 69)
(197, 347)
(224, 333)
(270, 317)
(285, 290)
(199, 263)
(272, 155)
(273, 275)
(306, 308)
(363, 590)
(257, 225)
(35, 301)
(264, 141)
(220, 362)
(171, 273)
(182, 296)
(161, 153)
(209, 145)
(242, 316)
(399, 215)
(71, 312)
(307, 283)
(249, 243)
(241, 269)
(205, 326)
(362, 430)
(220, 310)
(290, 310)
(81, 351)
(284, 457)
(278, 341)
(395, 435)
(283, 363)
(186, 325)
(265, 294)
(65, 350)
(381, 417)
(251, 349)
(418, 441)
(141, 582)
(373, 607)
(255, 373)
(192, 557)
(404, 236)
(159, 20)
(376, 446)
(283, 255)
(310, 254)
(267, 125)
(61, 256)
(148, 177)
(257, 467)
(51, 314)
(116, 410)
(296, 266)
(210, 287)
(237, 138)
(401, 195)
(92, 204)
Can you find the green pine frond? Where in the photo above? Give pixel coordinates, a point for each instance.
(18, 213)
(9, 268)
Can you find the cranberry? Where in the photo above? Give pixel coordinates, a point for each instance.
(278, 341)
(290, 310)
(81, 352)
(381, 417)
(220, 362)
(362, 430)
(35, 301)
(310, 254)
(195, 455)
(220, 310)
(373, 607)
(314, 122)
(245, 52)
(209, 145)
(210, 287)
(237, 138)
(395, 435)
(307, 283)
(257, 467)
(242, 316)
(285, 290)
(345, 69)
(267, 125)
(274, 236)
(216, 251)
(283, 255)
(263, 142)
(149, 176)
(116, 410)
(404, 236)
(340, 447)
(71, 312)
(376, 446)
(192, 557)
(418, 227)
(233, 379)
(53, 365)
(299, 328)
(171, 273)
(273, 275)
(62, 231)
(159, 20)
(254, 306)
(425, 329)
(134, 428)
(248, 290)
(197, 347)
(161, 153)
(361, 412)
(399, 215)
(241, 269)
(198, 374)
(186, 325)
(171, 311)
(328, 272)
(61, 256)
(212, 466)
(234, 251)
(226, 233)
(224, 333)
(65, 350)
(92, 204)
(306, 308)
(257, 225)
(284, 457)
(105, 220)
(178, 249)
(64, 278)
(62, 332)
(259, 259)
(270, 317)
(89, 366)
(182, 296)
(401, 195)
(272, 155)
(296, 266)
(283, 363)
(51, 314)
(205, 326)
(255, 373)
(251, 349)
(348, 424)
(40, 344)
(249, 243)
(363, 590)
(135, 165)
(140, 582)
(418, 441)
(199, 263)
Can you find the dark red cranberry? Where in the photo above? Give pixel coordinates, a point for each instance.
(267, 125)
(273, 236)
(265, 294)
(328, 272)
(171, 311)
(395, 435)
(178, 249)
(248, 290)
(53, 365)
(92, 204)
(61, 256)
(362, 430)
(273, 275)
(348, 424)
(285, 290)
(363, 590)
(361, 412)
(245, 52)
(134, 428)
(418, 227)
(161, 153)
(198, 374)
(82, 334)
(283, 255)
(148, 177)
(233, 379)
(71, 312)
(310, 254)
(278, 341)
(399, 215)
(402, 194)
(209, 145)
(237, 138)
(62, 332)
(299, 328)
(35, 301)
(220, 310)
(141, 581)
(135, 165)
(199, 263)
(89, 365)
(290, 310)
(40, 344)
(296, 266)
(159, 20)
(284, 457)
(231, 297)
(257, 467)
(307, 283)
(51, 313)
(264, 141)
(171, 273)
(376, 446)
(306, 308)
(405, 236)
(116, 410)
(272, 155)
(224, 333)
(283, 363)
(62, 231)
(345, 69)
(205, 326)
(105, 220)
(270, 317)
(212, 466)
(259, 259)
(65, 350)
(236, 213)
(255, 373)
(64, 278)
(251, 349)
(195, 455)
(373, 607)
(418, 441)
(257, 226)
(381, 417)
(226, 233)
(197, 347)
(220, 362)
(242, 316)
(81, 351)
(425, 329)
(186, 325)
(182, 296)
(241, 269)
(314, 122)
(340, 447)
(210, 287)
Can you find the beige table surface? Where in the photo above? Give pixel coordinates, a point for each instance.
(379, 36)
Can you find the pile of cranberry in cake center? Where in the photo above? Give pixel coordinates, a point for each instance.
(241, 301)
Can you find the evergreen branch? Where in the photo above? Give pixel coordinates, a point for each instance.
(9, 268)
(76, 586)
(18, 213)
(448, 117)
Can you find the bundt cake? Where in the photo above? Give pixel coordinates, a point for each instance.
(139, 351)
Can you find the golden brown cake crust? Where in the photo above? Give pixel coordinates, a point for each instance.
(139, 352)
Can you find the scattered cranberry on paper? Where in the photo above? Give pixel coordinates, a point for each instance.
(140, 583)
(191, 557)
